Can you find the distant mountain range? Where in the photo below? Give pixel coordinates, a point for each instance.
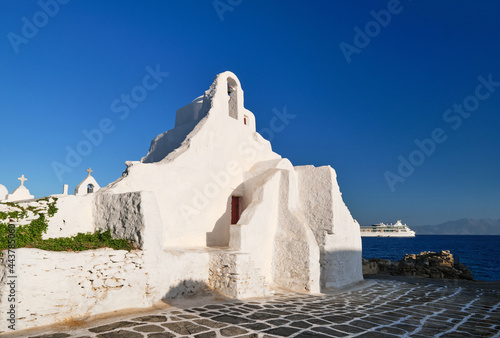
(464, 226)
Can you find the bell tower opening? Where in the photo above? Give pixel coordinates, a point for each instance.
(232, 92)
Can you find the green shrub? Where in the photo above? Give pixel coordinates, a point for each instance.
(30, 236)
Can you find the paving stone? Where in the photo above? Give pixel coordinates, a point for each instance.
(347, 328)
(277, 322)
(297, 317)
(380, 321)
(262, 316)
(210, 323)
(232, 331)
(317, 321)
(53, 335)
(405, 327)
(209, 334)
(302, 324)
(310, 334)
(120, 334)
(256, 326)
(185, 327)
(161, 335)
(240, 311)
(149, 328)
(112, 326)
(456, 334)
(214, 307)
(374, 334)
(283, 331)
(188, 316)
(330, 331)
(437, 326)
(279, 312)
(337, 319)
(392, 330)
(151, 319)
(363, 324)
(232, 319)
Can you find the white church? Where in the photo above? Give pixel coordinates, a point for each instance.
(210, 207)
(87, 186)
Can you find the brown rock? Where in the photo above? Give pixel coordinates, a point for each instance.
(426, 264)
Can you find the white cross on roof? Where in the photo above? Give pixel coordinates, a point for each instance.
(22, 179)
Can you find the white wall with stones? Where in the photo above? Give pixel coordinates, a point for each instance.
(59, 286)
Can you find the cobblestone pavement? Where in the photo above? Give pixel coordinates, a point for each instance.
(382, 308)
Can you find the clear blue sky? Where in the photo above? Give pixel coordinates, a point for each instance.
(61, 73)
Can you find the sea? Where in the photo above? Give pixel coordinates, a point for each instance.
(481, 254)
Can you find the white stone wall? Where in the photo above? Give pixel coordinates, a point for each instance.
(74, 215)
(235, 275)
(58, 286)
(37, 208)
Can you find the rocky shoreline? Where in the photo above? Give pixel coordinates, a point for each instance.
(437, 265)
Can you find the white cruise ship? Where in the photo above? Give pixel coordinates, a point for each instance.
(387, 230)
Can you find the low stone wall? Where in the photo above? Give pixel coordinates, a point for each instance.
(50, 287)
(25, 211)
(426, 264)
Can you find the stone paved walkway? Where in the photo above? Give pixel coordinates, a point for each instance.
(382, 308)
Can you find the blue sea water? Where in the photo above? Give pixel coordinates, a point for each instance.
(481, 254)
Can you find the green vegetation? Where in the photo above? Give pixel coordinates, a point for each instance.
(30, 235)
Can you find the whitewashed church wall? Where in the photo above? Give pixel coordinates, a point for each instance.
(193, 190)
(296, 253)
(255, 231)
(336, 232)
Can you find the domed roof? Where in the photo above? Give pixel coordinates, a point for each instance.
(3, 192)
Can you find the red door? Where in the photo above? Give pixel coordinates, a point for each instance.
(235, 209)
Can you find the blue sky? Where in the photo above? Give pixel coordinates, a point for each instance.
(364, 80)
